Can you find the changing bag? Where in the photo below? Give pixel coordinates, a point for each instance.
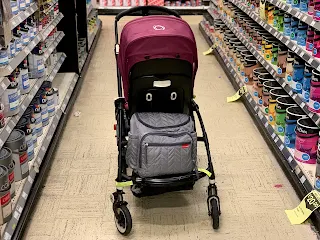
(161, 144)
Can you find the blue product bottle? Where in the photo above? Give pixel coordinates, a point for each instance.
(294, 28)
(304, 5)
(298, 74)
(287, 25)
(302, 33)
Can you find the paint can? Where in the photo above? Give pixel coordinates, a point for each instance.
(302, 33)
(275, 17)
(280, 22)
(310, 38)
(287, 24)
(22, 5)
(6, 160)
(306, 82)
(47, 86)
(316, 11)
(261, 79)
(282, 60)
(36, 65)
(298, 72)
(267, 87)
(24, 83)
(274, 94)
(314, 100)
(289, 67)
(274, 58)
(250, 63)
(24, 125)
(281, 106)
(316, 44)
(30, 115)
(17, 143)
(244, 54)
(295, 3)
(11, 97)
(270, 10)
(294, 28)
(311, 7)
(293, 113)
(35, 104)
(256, 73)
(268, 48)
(41, 95)
(14, 7)
(304, 5)
(307, 135)
(5, 197)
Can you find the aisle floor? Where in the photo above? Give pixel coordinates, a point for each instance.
(75, 205)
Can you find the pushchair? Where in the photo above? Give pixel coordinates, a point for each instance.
(156, 136)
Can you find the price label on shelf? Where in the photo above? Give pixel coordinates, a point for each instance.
(308, 205)
(304, 18)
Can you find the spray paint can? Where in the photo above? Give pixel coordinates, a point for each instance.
(35, 104)
(41, 95)
(30, 115)
(17, 143)
(24, 83)
(5, 197)
(50, 97)
(6, 160)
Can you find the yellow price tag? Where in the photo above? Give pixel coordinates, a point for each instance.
(210, 50)
(238, 94)
(309, 204)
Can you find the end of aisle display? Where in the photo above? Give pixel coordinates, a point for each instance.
(269, 95)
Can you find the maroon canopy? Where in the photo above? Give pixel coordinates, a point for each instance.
(155, 37)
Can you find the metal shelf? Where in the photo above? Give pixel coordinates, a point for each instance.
(7, 70)
(181, 10)
(299, 50)
(279, 141)
(45, 32)
(273, 71)
(48, 9)
(66, 83)
(93, 35)
(53, 45)
(305, 17)
(21, 16)
(297, 175)
(89, 9)
(11, 122)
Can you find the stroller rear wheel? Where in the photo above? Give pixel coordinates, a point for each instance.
(215, 213)
(124, 220)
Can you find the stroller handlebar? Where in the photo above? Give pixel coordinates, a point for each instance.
(145, 11)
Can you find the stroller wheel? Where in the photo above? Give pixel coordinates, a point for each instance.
(124, 220)
(215, 213)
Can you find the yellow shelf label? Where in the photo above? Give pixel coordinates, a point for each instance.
(210, 50)
(308, 205)
(238, 94)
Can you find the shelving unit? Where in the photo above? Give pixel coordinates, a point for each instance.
(301, 175)
(65, 70)
(183, 10)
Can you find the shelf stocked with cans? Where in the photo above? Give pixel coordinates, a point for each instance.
(303, 171)
(23, 15)
(92, 30)
(281, 85)
(65, 84)
(303, 11)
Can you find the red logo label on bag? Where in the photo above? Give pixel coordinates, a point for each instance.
(5, 199)
(185, 146)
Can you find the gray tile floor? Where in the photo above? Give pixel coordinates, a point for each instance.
(74, 204)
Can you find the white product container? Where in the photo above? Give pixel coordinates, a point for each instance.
(11, 100)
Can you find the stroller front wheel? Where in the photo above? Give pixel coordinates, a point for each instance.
(124, 220)
(215, 213)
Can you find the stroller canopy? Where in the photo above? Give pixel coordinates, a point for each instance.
(155, 37)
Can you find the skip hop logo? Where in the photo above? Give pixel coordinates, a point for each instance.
(158, 28)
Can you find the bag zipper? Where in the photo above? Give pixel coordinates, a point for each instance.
(160, 134)
(152, 127)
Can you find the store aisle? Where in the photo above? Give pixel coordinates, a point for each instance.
(75, 205)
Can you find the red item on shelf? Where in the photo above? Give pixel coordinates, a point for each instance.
(156, 2)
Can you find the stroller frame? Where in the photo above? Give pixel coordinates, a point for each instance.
(122, 216)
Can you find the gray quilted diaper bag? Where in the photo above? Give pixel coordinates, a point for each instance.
(161, 144)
